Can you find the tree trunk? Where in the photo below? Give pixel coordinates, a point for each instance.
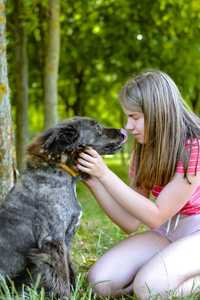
(21, 95)
(6, 141)
(52, 63)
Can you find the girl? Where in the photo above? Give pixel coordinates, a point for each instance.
(166, 164)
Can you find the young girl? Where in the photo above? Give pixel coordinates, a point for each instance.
(166, 164)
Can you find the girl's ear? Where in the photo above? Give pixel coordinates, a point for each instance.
(58, 140)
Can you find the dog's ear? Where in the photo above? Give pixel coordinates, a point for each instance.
(60, 139)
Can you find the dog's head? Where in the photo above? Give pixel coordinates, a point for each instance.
(73, 136)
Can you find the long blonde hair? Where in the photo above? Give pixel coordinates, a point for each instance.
(169, 123)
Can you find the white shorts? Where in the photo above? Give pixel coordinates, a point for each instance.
(179, 227)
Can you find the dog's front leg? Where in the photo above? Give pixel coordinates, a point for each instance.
(51, 263)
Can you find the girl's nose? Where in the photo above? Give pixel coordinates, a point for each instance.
(126, 126)
(129, 125)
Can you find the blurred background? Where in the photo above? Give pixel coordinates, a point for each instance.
(69, 57)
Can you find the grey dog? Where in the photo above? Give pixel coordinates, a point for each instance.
(40, 214)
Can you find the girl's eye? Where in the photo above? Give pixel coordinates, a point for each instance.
(134, 117)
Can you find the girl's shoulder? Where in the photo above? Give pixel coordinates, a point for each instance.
(192, 146)
(192, 143)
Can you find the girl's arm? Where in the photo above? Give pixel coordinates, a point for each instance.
(172, 198)
(115, 212)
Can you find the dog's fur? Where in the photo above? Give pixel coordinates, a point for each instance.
(40, 214)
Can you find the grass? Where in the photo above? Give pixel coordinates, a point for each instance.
(95, 235)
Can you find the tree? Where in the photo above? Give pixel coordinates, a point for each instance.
(51, 63)
(6, 141)
(103, 44)
(21, 81)
(108, 41)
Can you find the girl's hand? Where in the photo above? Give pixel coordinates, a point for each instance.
(91, 162)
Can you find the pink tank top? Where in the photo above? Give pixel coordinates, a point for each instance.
(192, 207)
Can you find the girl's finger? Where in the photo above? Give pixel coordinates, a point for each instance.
(84, 163)
(83, 169)
(92, 152)
(86, 156)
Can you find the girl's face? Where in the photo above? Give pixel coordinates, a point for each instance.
(135, 125)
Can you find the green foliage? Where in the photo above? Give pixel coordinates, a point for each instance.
(105, 42)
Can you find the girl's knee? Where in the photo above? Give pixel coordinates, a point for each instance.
(100, 285)
(144, 289)
(141, 287)
(145, 286)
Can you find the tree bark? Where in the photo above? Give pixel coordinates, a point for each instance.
(6, 140)
(52, 63)
(21, 93)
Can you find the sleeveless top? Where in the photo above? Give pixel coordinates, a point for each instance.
(192, 207)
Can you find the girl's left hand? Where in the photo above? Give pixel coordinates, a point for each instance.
(92, 163)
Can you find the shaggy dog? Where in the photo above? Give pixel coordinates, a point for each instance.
(40, 214)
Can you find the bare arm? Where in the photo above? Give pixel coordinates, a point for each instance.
(113, 210)
(172, 198)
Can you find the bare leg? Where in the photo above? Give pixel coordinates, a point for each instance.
(189, 286)
(114, 272)
(173, 269)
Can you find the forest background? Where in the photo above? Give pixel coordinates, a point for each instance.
(71, 57)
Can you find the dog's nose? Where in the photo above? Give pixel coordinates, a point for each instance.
(124, 135)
